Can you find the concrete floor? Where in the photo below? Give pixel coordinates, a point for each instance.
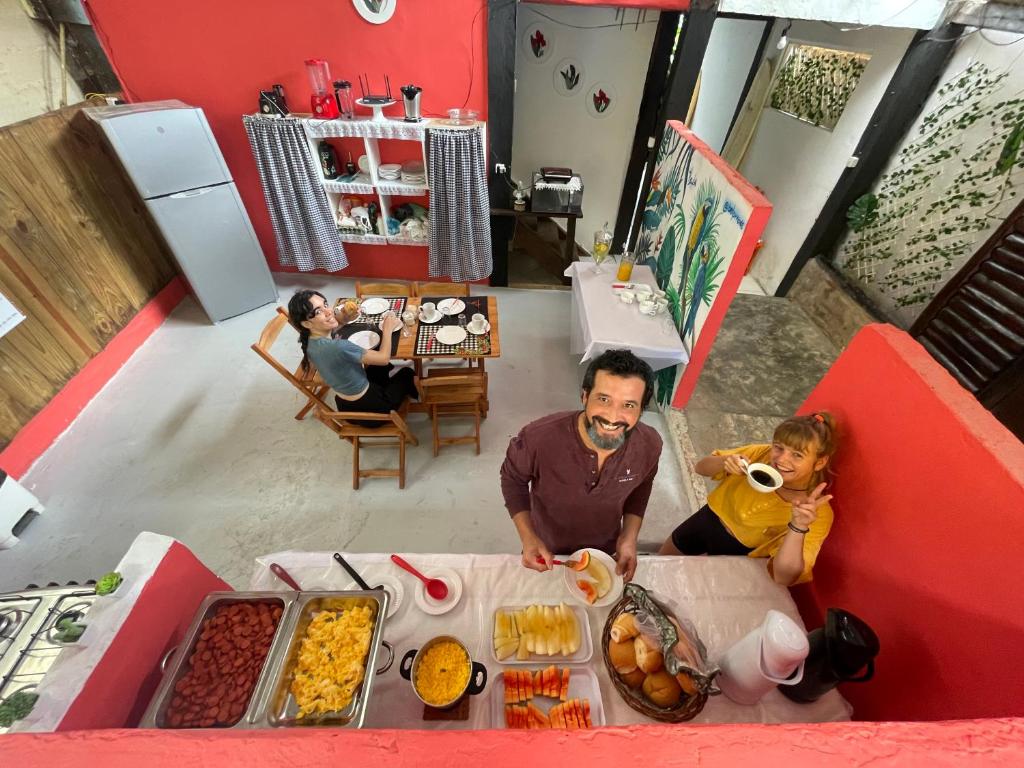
(768, 356)
(194, 438)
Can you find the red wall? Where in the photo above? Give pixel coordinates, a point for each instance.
(218, 55)
(903, 745)
(928, 535)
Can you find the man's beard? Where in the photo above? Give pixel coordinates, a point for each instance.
(604, 441)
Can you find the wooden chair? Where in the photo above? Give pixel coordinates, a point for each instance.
(393, 433)
(383, 289)
(440, 289)
(454, 393)
(308, 382)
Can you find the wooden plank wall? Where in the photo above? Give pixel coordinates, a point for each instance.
(79, 256)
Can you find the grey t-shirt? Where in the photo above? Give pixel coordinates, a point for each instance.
(340, 363)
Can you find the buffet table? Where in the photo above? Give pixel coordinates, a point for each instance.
(725, 597)
(600, 321)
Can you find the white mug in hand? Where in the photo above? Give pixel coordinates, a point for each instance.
(763, 477)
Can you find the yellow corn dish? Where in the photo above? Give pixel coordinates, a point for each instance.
(442, 673)
(332, 660)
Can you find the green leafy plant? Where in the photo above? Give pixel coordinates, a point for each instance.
(815, 83)
(863, 212)
(108, 582)
(17, 706)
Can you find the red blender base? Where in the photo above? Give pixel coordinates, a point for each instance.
(324, 107)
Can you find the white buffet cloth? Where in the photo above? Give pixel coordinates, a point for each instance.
(601, 321)
(725, 597)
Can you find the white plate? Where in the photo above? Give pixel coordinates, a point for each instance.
(450, 335)
(426, 603)
(583, 684)
(582, 655)
(437, 316)
(363, 163)
(365, 339)
(451, 306)
(486, 329)
(570, 576)
(375, 306)
(392, 585)
(390, 167)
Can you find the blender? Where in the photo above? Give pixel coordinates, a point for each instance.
(411, 99)
(343, 95)
(322, 102)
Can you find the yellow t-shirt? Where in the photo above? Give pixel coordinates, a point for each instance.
(759, 520)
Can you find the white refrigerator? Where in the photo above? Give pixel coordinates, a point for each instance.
(169, 153)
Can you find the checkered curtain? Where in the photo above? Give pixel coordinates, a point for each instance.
(307, 236)
(460, 216)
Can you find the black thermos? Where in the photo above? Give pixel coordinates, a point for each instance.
(328, 160)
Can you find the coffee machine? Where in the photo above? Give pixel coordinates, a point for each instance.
(411, 101)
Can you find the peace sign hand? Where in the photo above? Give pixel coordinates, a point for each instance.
(805, 509)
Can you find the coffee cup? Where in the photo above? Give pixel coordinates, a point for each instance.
(477, 324)
(627, 297)
(648, 307)
(644, 289)
(428, 312)
(763, 477)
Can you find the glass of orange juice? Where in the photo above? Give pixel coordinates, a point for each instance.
(626, 263)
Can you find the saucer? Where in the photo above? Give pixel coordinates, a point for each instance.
(437, 316)
(392, 585)
(482, 331)
(451, 306)
(426, 603)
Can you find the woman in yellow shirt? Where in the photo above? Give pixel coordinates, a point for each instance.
(787, 526)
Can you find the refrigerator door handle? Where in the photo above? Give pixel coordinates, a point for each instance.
(190, 193)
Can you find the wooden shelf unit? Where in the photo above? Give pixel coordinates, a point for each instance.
(372, 132)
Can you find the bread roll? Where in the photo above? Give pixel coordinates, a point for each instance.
(686, 682)
(634, 679)
(624, 628)
(623, 657)
(648, 658)
(662, 689)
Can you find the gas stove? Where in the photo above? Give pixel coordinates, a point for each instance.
(28, 627)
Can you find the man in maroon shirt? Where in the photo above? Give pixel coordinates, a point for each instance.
(582, 478)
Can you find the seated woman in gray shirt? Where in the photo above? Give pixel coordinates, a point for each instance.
(358, 376)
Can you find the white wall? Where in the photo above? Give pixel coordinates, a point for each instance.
(29, 67)
(796, 164)
(727, 63)
(551, 129)
(930, 223)
(915, 14)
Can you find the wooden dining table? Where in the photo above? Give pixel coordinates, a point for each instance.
(407, 344)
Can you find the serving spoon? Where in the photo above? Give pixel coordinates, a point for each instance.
(436, 588)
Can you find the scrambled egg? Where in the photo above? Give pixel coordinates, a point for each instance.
(331, 660)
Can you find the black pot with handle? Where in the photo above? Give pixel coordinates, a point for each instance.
(475, 684)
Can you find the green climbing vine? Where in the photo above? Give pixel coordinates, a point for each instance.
(814, 83)
(952, 183)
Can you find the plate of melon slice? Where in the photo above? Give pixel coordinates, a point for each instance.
(592, 580)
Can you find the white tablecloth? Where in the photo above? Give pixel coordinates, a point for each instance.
(600, 321)
(725, 597)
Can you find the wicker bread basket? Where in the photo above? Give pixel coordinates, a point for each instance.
(634, 598)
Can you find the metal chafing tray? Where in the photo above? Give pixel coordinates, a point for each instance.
(277, 707)
(271, 704)
(176, 662)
